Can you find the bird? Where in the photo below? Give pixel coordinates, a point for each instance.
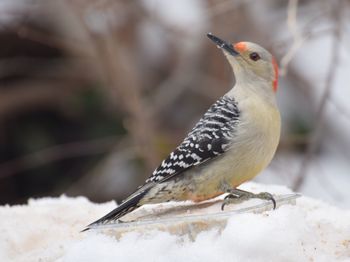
(232, 142)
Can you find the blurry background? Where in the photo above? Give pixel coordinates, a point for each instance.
(94, 93)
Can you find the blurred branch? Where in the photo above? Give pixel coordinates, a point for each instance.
(104, 176)
(317, 131)
(32, 95)
(185, 73)
(328, 184)
(43, 68)
(224, 7)
(52, 41)
(57, 153)
(341, 109)
(300, 36)
(294, 140)
(23, 65)
(122, 79)
(297, 37)
(43, 91)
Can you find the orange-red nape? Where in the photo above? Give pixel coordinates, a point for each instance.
(275, 81)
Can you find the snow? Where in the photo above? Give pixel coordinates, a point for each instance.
(48, 230)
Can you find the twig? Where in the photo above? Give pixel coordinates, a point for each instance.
(305, 165)
(300, 37)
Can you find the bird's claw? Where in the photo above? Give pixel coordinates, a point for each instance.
(229, 199)
(267, 196)
(236, 196)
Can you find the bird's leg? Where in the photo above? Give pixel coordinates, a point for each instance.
(236, 196)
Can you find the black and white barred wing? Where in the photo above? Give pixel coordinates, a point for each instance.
(210, 137)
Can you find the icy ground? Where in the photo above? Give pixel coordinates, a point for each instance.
(48, 230)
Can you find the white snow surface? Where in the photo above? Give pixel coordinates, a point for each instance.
(47, 229)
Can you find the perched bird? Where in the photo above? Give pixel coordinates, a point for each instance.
(234, 140)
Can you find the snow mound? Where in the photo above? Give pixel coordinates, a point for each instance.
(48, 230)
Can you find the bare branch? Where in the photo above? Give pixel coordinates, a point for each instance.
(315, 136)
(298, 39)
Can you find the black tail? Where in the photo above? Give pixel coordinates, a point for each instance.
(123, 209)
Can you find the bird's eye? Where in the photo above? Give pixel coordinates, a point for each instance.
(254, 56)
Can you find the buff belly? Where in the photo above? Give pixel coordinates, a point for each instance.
(251, 153)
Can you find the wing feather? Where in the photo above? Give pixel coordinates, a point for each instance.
(210, 137)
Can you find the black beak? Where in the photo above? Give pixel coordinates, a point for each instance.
(222, 44)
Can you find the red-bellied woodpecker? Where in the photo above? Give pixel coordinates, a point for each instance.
(233, 141)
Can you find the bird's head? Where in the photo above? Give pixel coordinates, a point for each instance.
(249, 61)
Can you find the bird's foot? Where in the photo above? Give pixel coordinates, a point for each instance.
(236, 196)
